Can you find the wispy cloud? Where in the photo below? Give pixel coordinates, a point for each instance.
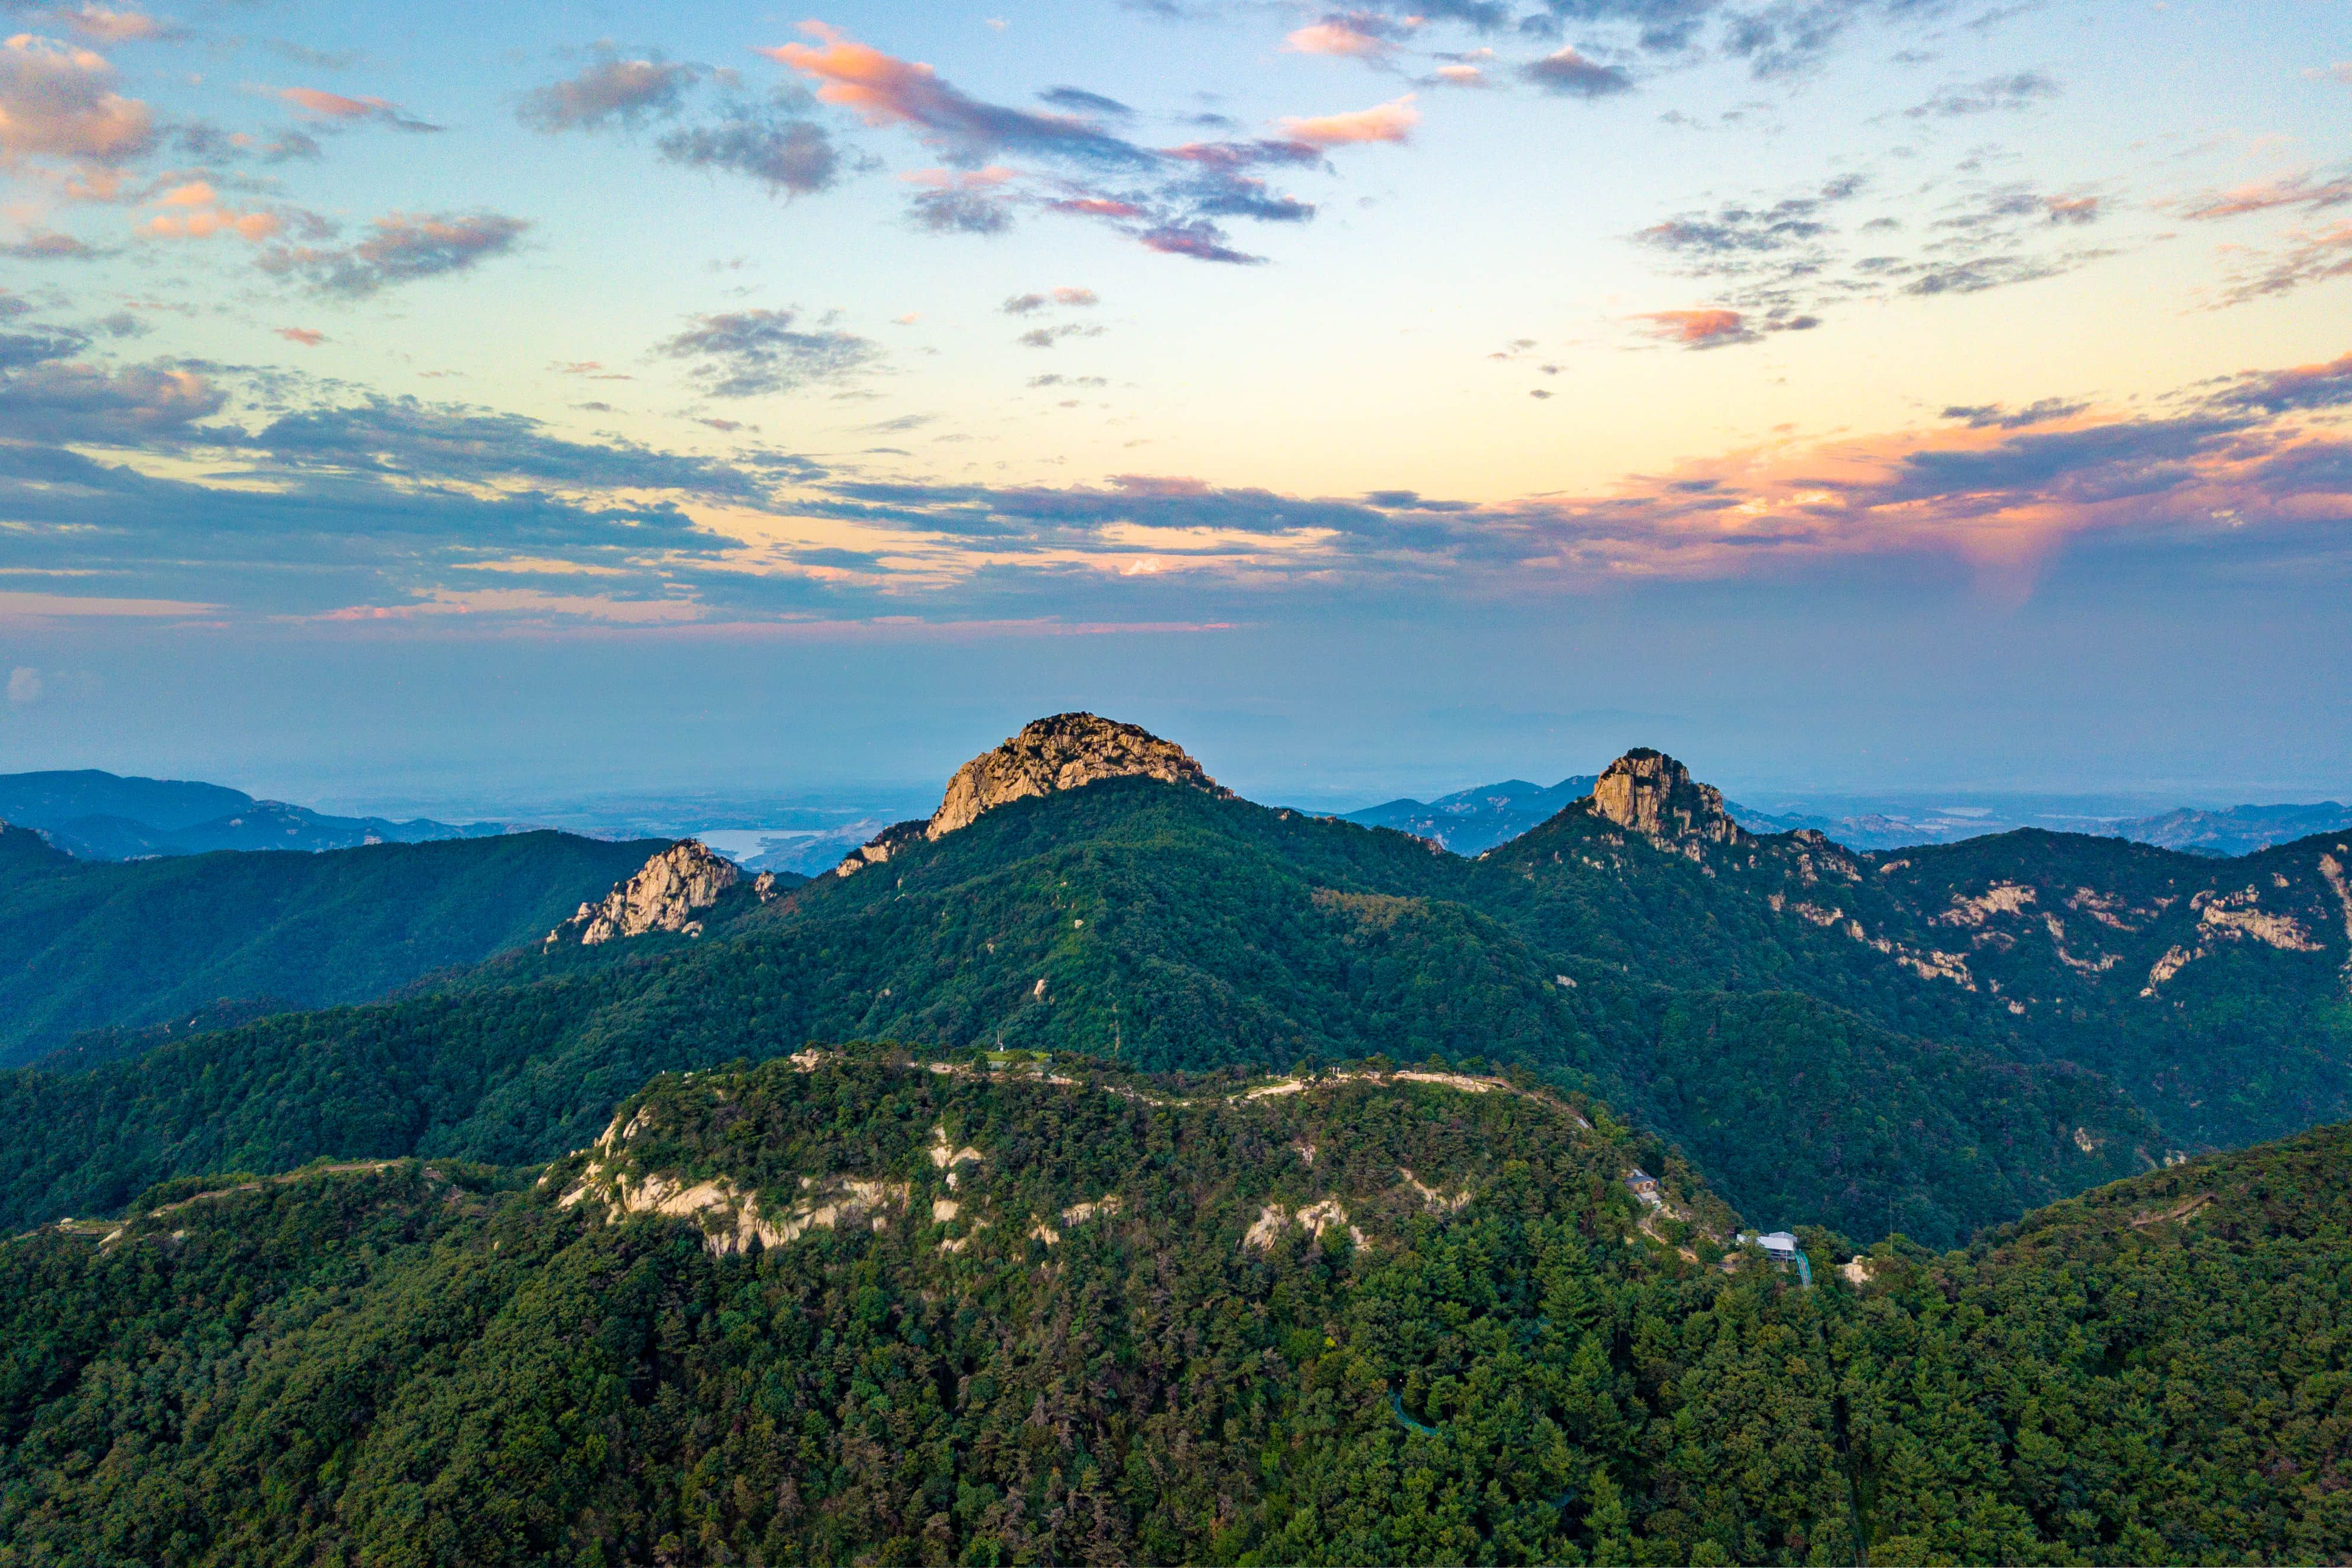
(1993, 95)
(1785, 263)
(1573, 75)
(48, 245)
(1390, 121)
(1353, 34)
(105, 25)
(2307, 190)
(885, 90)
(335, 108)
(612, 90)
(2304, 257)
(790, 155)
(745, 353)
(403, 248)
(1029, 304)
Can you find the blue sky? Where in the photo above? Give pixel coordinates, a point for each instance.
(1842, 393)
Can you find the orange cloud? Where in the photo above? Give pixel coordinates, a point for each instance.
(205, 222)
(882, 87)
(308, 337)
(201, 216)
(1390, 121)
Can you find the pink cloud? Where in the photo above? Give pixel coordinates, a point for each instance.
(1390, 121)
(2262, 195)
(1336, 37)
(1698, 329)
(308, 337)
(330, 106)
(2309, 256)
(1096, 206)
(58, 102)
(1459, 75)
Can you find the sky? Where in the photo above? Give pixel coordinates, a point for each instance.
(424, 401)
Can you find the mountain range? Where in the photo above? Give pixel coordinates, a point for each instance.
(97, 815)
(1471, 821)
(1934, 1041)
(1109, 1166)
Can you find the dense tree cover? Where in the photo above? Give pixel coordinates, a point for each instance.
(2036, 945)
(87, 946)
(434, 1363)
(1153, 925)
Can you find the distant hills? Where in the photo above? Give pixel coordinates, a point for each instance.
(1471, 821)
(2240, 829)
(97, 815)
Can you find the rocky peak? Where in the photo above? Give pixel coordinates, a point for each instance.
(1067, 750)
(665, 895)
(1650, 794)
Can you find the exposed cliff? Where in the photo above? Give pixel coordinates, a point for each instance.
(1650, 794)
(1065, 751)
(665, 895)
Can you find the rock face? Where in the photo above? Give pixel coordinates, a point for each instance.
(1065, 751)
(1650, 794)
(664, 895)
(881, 847)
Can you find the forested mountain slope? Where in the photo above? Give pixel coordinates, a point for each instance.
(871, 1307)
(1153, 924)
(87, 946)
(1926, 1043)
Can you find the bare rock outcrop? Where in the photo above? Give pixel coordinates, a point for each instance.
(665, 894)
(1649, 792)
(1067, 750)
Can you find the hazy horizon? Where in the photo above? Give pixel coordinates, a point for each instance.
(1850, 395)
